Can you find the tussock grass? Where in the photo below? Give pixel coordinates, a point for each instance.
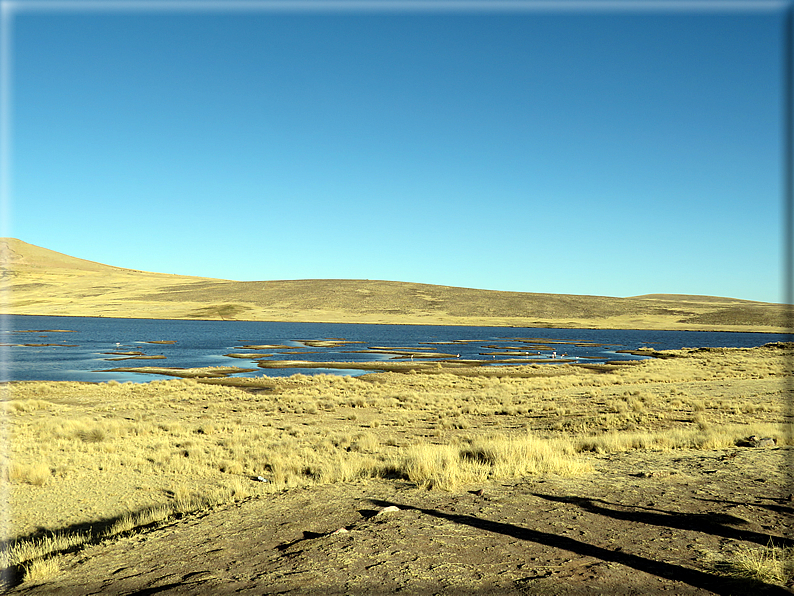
(189, 445)
(447, 467)
(768, 564)
(513, 457)
(722, 437)
(24, 551)
(23, 405)
(438, 467)
(36, 474)
(36, 559)
(39, 570)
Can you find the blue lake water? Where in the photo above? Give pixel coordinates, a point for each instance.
(84, 346)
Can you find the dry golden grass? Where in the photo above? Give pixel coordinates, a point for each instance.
(36, 558)
(140, 454)
(36, 474)
(447, 467)
(769, 564)
(722, 437)
(41, 569)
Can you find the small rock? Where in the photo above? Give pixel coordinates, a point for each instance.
(480, 492)
(389, 509)
(340, 531)
(261, 479)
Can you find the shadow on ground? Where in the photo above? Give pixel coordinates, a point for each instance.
(699, 579)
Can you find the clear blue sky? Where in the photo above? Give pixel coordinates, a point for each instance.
(608, 152)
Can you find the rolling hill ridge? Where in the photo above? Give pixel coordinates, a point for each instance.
(39, 281)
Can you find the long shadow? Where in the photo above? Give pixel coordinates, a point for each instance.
(12, 576)
(784, 509)
(94, 532)
(699, 579)
(707, 523)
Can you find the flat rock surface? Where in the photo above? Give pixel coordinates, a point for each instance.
(642, 523)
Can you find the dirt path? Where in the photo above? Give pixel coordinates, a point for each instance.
(643, 523)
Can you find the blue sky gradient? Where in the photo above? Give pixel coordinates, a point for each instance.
(607, 152)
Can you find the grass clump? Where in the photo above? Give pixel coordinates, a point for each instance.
(438, 467)
(447, 467)
(36, 559)
(703, 437)
(39, 570)
(34, 474)
(768, 564)
(22, 552)
(513, 457)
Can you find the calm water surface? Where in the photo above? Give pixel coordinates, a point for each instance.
(82, 347)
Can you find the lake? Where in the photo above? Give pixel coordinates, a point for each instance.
(85, 348)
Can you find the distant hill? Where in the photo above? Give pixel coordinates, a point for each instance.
(45, 282)
(693, 298)
(18, 256)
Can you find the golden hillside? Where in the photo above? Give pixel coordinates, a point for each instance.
(38, 281)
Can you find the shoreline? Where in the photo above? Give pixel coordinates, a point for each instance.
(714, 329)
